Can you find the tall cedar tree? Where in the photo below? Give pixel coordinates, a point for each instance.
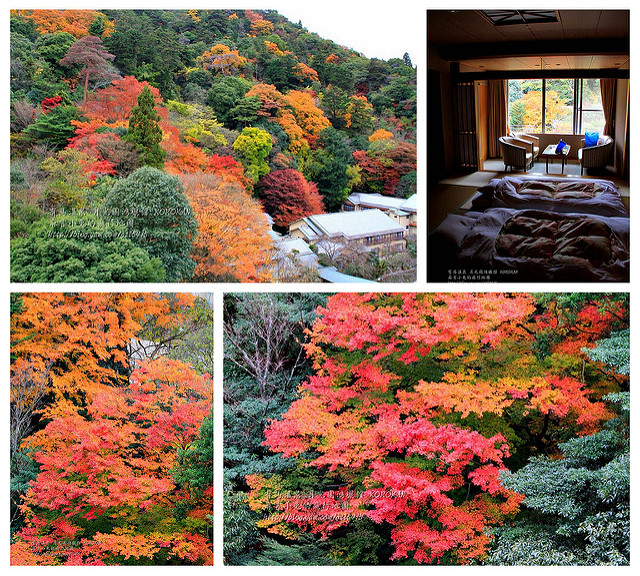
(144, 130)
(95, 60)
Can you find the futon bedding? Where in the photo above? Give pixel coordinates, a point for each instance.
(564, 195)
(530, 246)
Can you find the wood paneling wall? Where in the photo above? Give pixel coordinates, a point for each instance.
(464, 125)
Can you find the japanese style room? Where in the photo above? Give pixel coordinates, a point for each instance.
(528, 146)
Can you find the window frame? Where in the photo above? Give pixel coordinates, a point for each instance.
(578, 108)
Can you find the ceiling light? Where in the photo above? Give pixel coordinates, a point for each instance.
(510, 17)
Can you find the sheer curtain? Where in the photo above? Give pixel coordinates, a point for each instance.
(608, 94)
(498, 119)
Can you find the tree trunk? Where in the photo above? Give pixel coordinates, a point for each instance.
(86, 87)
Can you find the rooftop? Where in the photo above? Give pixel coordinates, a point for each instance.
(384, 202)
(287, 245)
(330, 274)
(351, 225)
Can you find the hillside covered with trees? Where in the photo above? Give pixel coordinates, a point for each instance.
(405, 429)
(147, 145)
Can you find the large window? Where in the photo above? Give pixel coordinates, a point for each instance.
(590, 111)
(555, 106)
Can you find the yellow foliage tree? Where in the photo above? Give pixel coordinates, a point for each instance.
(221, 59)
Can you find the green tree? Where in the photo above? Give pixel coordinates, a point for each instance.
(70, 248)
(328, 168)
(577, 507)
(613, 351)
(53, 47)
(334, 101)
(54, 128)
(516, 115)
(224, 95)
(144, 130)
(193, 474)
(129, 41)
(254, 146)
(246, 110)
(155, 209)
(264, 363)
(67, 182)
(97, 27)
(359, 115)
(195, 464)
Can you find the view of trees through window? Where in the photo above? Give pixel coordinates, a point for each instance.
(555, 106)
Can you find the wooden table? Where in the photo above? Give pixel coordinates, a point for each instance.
(550, 152)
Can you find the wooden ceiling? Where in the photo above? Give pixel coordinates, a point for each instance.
(580, 39)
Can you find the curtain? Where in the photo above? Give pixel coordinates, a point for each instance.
(608, 94)
(498, 120)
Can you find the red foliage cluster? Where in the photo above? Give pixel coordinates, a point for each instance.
(49, 103)
(287, 196)
(389, 443)
(114, 103)
(111, 442)
(382, 170)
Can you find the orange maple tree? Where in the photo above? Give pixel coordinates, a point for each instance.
(233, 241)
(220, 58)
(114, 423)
(79, 338)
(113, 462)
(296, 112)
(182, 157)
(74, 22)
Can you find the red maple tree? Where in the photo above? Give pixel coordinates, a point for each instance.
(287, 196)
(420, 455)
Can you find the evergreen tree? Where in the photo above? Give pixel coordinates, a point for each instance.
(145, 132)
(329, 166)
(158, 215)
(95, 60)
(576, 507)
(97, 27)
(72, 248)
(54, 127)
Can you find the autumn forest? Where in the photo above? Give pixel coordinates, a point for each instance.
(179, 145)
(111, 429)
(451, 429)
(352, 428)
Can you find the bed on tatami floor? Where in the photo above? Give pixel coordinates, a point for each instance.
(534, 229)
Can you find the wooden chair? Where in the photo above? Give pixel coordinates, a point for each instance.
(533, 141)
(597, 156)
(515, 153)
